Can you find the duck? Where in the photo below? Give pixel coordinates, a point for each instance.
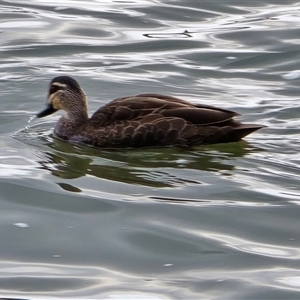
(145, 120)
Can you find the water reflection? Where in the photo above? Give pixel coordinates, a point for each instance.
(148, 167)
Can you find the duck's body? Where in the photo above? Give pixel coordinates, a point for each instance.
(145, 120)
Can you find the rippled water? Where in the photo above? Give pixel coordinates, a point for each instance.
(213, 222)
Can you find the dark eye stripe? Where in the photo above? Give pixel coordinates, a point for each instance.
(55, 88)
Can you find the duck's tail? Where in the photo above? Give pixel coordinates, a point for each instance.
(243, 130)
(231, 132)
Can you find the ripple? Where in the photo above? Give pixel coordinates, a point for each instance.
(81, 222)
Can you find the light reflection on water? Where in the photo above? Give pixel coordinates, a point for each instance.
(80, 222)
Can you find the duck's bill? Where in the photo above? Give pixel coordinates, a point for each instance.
(48, 110)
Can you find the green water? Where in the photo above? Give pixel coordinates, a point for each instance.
(213, 222)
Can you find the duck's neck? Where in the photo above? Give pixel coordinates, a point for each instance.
(69, 124)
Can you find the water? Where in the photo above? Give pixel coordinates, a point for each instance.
(211, 222)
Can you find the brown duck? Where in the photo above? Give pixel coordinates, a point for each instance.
(145, 120)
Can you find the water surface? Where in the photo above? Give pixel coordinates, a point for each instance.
(210, 222)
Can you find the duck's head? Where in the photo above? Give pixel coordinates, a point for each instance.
(64, 93)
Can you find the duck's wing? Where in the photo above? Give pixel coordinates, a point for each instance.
(138, 107)
(178, 100)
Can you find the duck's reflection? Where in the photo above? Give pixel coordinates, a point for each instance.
(149, 167)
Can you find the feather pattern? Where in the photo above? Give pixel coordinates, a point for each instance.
(141, 121)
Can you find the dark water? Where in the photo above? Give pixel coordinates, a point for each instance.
(213, 222)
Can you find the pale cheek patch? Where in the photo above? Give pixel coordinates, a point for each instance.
(56, 103)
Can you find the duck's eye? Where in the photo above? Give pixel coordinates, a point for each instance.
(54, 88)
